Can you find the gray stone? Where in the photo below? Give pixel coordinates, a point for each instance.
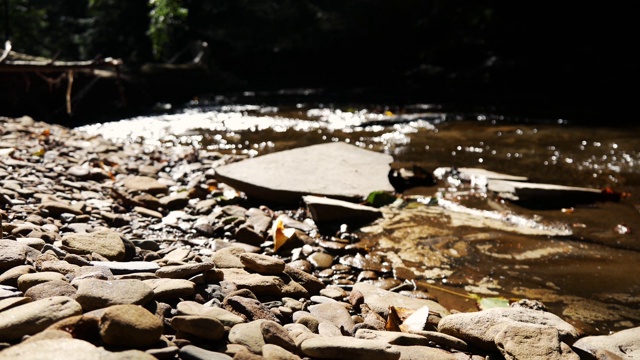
(97, 294)
(249, 308)
(48, 349)
(12, 253)
(258, 284)
(51, 288)
(35, 316)
(335, 313)
(128, 267)
(336, 170)
(379, 300)
(228, 257)
(275, 352)
(481, 328)
(426, 353)
(392, 337)
(625, 343)
(183, 271)
(521, 340)
(201, 326)
(324, 209)
(105, 242)
(57, 208)
(165, 289)
(444, 340)
(348, 348)
(227, 318)
(145, 184)
(274, 333)
(249, 335)
(191, 352)
(544, 194)
(130, 326)
(26, 281)
(320, 260)
(262, 264)
(11, 276)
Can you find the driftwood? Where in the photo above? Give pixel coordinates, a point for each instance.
(13, 62)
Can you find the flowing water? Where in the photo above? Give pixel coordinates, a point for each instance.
(455, 239)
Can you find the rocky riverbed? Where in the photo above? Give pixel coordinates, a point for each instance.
(136, 251)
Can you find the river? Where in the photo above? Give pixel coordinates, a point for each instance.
(466, 244)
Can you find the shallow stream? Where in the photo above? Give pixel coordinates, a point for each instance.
(454, 239)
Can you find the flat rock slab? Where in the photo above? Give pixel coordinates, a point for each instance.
(337, 170)
(324, 209)
(475, 175)
(130, 267)
(544, 195)
(379, 300)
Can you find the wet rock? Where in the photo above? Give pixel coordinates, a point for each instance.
(481, 328)
(320, 260)
(129, 326)
(333, 169)
(544, 195)
(201, 326)
(96, 294)
(105, 242)
(379, 300)
(348, 348)
(625, 343)
(325, 209)
(13, 254)
(262, 264)
(51, 288)
(35, 316)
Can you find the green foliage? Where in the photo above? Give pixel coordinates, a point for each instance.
(380, 198)
(168, 19)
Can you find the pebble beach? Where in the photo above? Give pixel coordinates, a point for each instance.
(136, 251)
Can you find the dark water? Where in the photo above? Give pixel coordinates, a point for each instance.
(584, 268)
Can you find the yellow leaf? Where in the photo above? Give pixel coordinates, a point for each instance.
(280, 234)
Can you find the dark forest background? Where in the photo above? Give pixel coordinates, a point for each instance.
(535, 58)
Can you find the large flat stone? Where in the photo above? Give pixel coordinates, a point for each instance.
(325, 209)
(544, 195)
(336, 170)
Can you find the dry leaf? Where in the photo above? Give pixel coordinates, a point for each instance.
(280, 234)
(393, 320)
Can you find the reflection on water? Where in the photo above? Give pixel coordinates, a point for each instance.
(583, 267)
